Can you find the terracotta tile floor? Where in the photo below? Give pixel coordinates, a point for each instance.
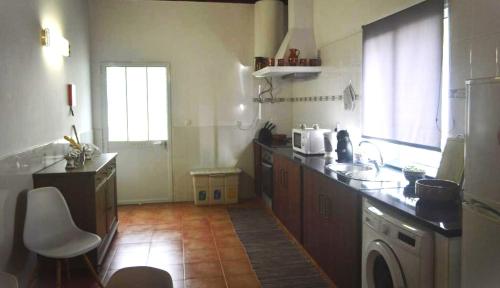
(196, 245)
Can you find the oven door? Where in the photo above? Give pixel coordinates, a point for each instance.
(267, 179)
(381, 267)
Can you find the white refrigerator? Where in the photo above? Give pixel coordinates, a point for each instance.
(481, 205)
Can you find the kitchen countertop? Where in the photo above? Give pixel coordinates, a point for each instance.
(443, 219)
(91, 166)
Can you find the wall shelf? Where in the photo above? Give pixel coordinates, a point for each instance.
(288, 71)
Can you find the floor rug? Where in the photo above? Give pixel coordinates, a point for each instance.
(274, 257)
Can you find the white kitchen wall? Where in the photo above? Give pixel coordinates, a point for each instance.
(33, 109)
(475, 44)
(33, 81)
(341, 66)
(335, 20)
(209, 47)
(337, 27)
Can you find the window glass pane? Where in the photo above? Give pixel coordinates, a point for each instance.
(117, 103)
(402, 65)
(157, 103)
(137, 104)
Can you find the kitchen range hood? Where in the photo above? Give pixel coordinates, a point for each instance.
(300, 33)
(300, 36)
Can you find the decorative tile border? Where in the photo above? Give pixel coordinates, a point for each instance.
(303, 99)
(316, 98)
(269, 100)
(454, 94)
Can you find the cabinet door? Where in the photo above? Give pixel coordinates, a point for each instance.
(313, 220)
(293, 180)
(332, 228)
(257, 168)
(279, 193)
(100, 207)
(345, 229)
(325, 220)
(111, 202)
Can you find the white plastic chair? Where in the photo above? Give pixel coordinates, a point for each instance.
(8, 280)
(140, 277)
(49, 230)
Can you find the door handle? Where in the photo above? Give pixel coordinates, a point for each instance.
(282, 182)
(324, 206)
(268, 166)
(320, 204)
(164, 143)
(326, 212)
(286, 179)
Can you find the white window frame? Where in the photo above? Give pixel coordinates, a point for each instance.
(397, 155)
(104, 101)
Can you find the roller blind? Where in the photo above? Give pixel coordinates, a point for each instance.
(402, 66)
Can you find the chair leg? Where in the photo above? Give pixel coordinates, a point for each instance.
(91, 268)
(66, 264)
(58, 274)
(33, 275)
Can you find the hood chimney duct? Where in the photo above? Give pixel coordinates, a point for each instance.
(269, 27)
(300, 33)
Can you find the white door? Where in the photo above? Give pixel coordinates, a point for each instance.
(137, 114)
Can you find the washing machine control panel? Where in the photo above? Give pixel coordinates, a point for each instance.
(404, 246)
(394, 230)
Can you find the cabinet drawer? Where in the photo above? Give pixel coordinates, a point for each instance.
(200, 180)
(216, 180)
(232, 180)
(104, 174)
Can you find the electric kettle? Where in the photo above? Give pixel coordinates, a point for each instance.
(344, 147)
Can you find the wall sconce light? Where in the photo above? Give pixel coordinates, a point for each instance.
(56, 42)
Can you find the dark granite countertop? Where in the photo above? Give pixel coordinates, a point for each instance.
(90, 167)
(443, 219)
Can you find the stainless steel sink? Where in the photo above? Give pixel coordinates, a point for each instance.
(349, 167)
(364, 172)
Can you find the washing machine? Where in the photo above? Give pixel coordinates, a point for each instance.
(396, 252)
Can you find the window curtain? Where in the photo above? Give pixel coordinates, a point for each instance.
(402, 68)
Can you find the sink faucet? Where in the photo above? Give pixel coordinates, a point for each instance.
(374, 162)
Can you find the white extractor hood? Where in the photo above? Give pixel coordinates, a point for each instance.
(300, 33)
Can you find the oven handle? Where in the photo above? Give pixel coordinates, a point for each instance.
(267, 165)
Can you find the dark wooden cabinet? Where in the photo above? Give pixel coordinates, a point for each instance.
(287, 198)
(90, 192)
(332, 228)
(321, 213)
(111, 202)
(279, 193)
(257, 152)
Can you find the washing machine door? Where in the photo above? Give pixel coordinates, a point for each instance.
(382, 267)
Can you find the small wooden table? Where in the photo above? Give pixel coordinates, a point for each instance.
(90, 192)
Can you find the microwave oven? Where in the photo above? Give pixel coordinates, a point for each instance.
(309, 141)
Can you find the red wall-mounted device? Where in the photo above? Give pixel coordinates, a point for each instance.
(71, 93)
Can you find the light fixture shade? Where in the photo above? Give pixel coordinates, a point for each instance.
(56, 42)
(63, 47)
